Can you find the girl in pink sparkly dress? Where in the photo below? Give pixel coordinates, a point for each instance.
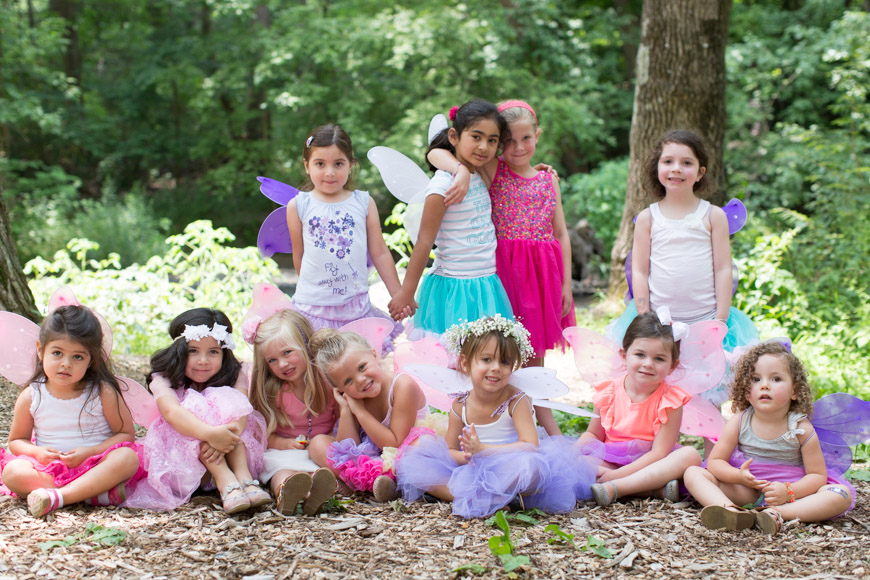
(533, 257)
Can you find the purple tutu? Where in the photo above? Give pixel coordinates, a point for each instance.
(357, 308)
(618, 452)
(790, 473)
(172, 459)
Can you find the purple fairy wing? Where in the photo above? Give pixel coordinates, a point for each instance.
(18, 337)
(735, 211)
(628, 295)
(274, 235)
(841, 420)
(277, 191)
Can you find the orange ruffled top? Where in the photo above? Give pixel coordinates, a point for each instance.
(623, 420)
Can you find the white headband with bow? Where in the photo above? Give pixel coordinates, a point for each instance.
(680, 329)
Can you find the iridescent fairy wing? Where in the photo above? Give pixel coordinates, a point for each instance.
(18, 337)
(142, 405)
(374, 330)
(274, 235)
(702, 359)
(405, 180)
(434, 380)
(597, 358)
(564, 407)
(841, 420)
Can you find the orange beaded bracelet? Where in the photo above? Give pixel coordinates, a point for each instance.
(790, 492)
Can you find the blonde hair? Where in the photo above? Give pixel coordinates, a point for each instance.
(294, 330)
(515, 114)
(328, 346)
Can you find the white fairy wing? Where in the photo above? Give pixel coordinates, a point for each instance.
(405, 180)
(564, 407)
(539, 383)
(142, 405)
(437, 382)
(18, 337)
(597, 357)
(436, 125)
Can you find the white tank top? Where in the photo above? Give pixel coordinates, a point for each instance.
(681, 265)
(67, 423)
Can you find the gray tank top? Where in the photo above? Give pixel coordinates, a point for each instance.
(785, 449)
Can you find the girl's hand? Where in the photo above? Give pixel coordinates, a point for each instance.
(46, 455)
(356, 406)
(401, 304)
(549, 169)
(775, 493)
(459, 189)
(567, 301)
(341, 401)
(469, 442)
(208, 454)
(748, 479)
(224, 438)
(74, 457)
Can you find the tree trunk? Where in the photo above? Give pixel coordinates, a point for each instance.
(680, 85)
(15, 295)
(72, 60)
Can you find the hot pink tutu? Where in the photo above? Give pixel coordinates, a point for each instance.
(64, 475)
(172, 459)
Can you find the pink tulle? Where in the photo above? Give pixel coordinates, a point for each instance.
(360, 474)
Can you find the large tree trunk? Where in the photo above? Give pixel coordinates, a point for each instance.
(15, 295)
(680, 85)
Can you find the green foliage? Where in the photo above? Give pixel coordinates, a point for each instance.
(571, 425)
(598, 197)
(475, 569)
(139, 301)
(94, 534)
(523, 518)
(593, 544)
(502, 546)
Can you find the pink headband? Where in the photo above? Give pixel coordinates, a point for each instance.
(521, 104)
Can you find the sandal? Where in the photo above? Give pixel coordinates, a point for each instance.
(769, 521)
(717, 517)
(259, 496)
(602, 498)
(384, 489)
(43, 501)
(292, 490)
(323, 487)
(235, 503)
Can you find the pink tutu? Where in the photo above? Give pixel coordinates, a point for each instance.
(531, 272)
(337, 316)
(358, 465)
(63, 474)
(172, 459)
(790, 473)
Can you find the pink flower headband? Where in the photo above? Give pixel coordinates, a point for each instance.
(268, 299)
(521, 104)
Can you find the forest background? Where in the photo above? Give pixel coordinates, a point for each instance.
(132, 131)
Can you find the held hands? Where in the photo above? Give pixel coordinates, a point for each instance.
(748, 479)
(402, 305)
(469, 442)
(224, 438)
(775, 493)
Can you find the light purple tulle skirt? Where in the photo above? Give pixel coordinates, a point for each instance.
(551, 477)
(357, 308)
(790, 473)
(619, 452)
(172, 459)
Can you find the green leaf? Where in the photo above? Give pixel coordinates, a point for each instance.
(475, 569)
(561, 536)
(499, 546)
(511, 562)
(596, 546)
(67, 541)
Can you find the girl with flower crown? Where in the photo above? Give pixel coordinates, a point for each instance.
(491, 456)
(207, 426)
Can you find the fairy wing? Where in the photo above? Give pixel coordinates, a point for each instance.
(64, 296)
(539, 383)
(735, 211)
(438, 383)
(841, 420)
(142, 405)
(274, 235)
(702, 419)
(596, 357)
(374, 330)
(702, 359)
(564, 407)
(436, 125)
(405, 180)
(18, 337)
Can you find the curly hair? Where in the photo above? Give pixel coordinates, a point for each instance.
(745, 368)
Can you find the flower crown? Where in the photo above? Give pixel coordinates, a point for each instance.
(217, 332)
(456, 335)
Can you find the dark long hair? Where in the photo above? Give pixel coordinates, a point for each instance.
(171, 361)
(690, 139)
(326, 136)
(467, 116)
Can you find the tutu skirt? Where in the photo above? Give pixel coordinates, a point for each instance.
(551, 477)
(445, 301)
(359, 464)
(172, 459)
(337, 316)
(64, 475)
(741, 330)
(618, 452)
(532, 274)
(790, 473)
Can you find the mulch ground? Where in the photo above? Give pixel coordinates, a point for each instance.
(649, 538)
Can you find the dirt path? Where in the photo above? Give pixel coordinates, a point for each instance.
(657, 539)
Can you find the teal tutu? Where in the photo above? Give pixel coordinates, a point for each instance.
(445, 301)
(741, 330)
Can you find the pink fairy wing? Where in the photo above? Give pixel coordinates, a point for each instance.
(438, 383)
(564, 407)
(425, 351)
(702, 360)
(18, 337)
(277, 191)
(64, 296)
(267, 300)
(142, 405)
(735, 211)
(374, 330)
(539, 383)
(596, 357)
(702, 419)
(274, 236)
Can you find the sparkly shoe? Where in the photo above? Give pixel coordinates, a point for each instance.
(235, 503)
(42, 502)
(292, 490)
(323, 487)
(257, 497)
